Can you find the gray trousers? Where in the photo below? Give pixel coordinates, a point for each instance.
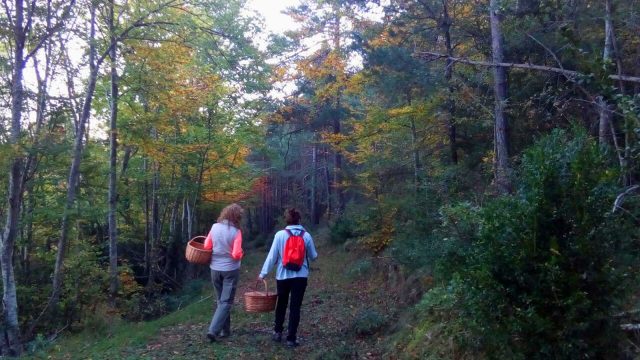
(225, 284)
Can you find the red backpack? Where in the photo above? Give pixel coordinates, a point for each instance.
(294, 251)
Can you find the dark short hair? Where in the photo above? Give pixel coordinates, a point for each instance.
(292, 216)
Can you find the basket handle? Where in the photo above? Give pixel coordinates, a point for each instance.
(199, 237)
(266, 288)
(202, 240)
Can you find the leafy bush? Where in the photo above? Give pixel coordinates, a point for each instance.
(359, 268)
(340, 351)
(191, 291)
(548, 267)
(367, 322)
(342, 230)
(143, 307)
(419, 246)
(372, 225)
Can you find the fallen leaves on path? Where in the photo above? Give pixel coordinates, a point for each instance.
(330, 308)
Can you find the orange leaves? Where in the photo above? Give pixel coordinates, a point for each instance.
(337, 141)
(326, 68)
(387, 37)
(379, 239)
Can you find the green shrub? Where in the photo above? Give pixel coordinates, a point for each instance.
(547, 268)
(338, 352)
(359, 268)
(188, 294)
(419, 246)
(342, 230)
(368, 322)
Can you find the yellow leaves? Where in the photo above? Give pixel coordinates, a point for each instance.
(336, 140)
(385, 38)
(356, 84)
(402, 111)
(382, 237)
(279, 73)
(171, 81)
(325, 65)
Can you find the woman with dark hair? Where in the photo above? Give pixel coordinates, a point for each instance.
(225, 241)
(290, 279)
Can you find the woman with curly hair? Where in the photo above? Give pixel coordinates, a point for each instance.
(225, 241)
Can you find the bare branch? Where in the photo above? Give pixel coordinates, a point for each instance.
(52, 30)
(7, 11)
(630, 327)
(548, 50)
(620, 198)
(140, 22)
(569, 74)
(32, 9)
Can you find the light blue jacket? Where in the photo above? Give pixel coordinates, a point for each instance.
(277, 249)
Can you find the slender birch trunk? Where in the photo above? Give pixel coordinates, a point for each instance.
(604, 108)
(500, 90)
(10, 343)
(113, 159)
(75, 165)
(445, 27)
(314, 184)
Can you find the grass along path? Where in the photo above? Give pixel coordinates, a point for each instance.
(343, 309)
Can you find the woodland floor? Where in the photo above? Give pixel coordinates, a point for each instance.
(331, 323)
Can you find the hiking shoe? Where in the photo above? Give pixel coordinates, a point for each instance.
(277, 336)
(292, 344)
(211, 337)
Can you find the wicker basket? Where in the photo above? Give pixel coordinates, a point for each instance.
(259, 301)
(195, 253)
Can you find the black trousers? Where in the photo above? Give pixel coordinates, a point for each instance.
(295, 287)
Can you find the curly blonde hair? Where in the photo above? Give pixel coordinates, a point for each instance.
(232, 213)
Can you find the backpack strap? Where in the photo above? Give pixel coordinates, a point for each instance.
(291, 234)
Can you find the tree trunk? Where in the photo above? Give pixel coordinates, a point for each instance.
(337, 174)
(75, 166)
(28, 239)
(448, 72)
(500, 89)
(417, 167)
(327, 178)
(113, 158)
(147, 221)
(314, 184)
(604, 109)
(155, 223)
(11, 339)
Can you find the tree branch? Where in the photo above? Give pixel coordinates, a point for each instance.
(620, 198)
(32, 9)
(51, 31)
(136, 24)
(570, 74)
(548, 50)
(8, 12)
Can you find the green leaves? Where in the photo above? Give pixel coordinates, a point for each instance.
(546, 269)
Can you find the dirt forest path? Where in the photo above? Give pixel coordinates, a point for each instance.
(341, 310)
